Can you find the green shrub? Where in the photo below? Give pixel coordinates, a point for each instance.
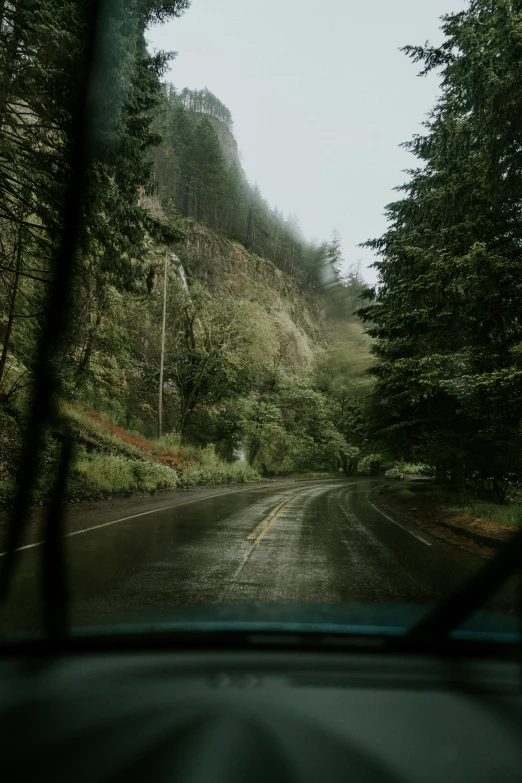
(218, 472)
(115, 473)
(209, 458)
(107, 472)
(169, 441)
(7, 488)
(366, 463)
(151, 476)
(410, 468)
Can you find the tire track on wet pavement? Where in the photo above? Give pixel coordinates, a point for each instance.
(256, 536)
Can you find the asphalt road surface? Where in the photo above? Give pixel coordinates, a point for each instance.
(297, 542)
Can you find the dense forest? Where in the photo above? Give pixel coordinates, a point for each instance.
(446, 314)
(259, 371)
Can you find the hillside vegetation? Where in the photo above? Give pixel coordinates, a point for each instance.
(261, 365)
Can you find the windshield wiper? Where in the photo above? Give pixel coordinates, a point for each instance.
(451, 612)
(43, 411)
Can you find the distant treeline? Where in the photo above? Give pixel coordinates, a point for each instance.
(196, 178)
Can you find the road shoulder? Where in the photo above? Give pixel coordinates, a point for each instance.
(411, 503)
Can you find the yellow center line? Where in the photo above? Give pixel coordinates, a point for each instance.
(269, 520)
(266, 519)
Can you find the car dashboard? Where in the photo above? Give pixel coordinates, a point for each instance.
(193, 715)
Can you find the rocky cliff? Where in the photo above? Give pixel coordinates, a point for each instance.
(226, 268)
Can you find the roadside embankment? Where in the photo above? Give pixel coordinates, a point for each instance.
(475, 526)
(111, 462)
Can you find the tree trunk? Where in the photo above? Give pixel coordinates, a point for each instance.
(84, 362)
(252, 452)
(184, 420)
(456, 478)
(186, 200)
(9, 328)
(162, 355)
(349, 466)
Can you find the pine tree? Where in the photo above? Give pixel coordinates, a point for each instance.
(43, 47)
(446, 312)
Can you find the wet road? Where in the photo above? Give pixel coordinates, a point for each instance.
(298, 542)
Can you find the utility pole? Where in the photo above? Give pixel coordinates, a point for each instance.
(162, 358)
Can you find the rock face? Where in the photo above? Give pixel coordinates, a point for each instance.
(226, 139)
(227, 269)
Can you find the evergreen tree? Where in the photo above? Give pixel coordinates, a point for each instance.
(43, 47)
(446, 312)
(196, 178)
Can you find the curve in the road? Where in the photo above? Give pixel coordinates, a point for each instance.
(321, 543)
(131, 516)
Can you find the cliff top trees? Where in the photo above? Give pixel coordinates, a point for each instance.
(198, 177)
(205, 102)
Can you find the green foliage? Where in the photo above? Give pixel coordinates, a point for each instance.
(7, 488)
(411, 468)
(370, 464)
(92, 433)
(296, 428)
(239, 370)
(42, 51)
(231, 376)
(205, 102)
(224, 473)
(170, 440)
(445, 313)
(114, 473)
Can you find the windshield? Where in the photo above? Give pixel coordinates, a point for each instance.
(261, 346)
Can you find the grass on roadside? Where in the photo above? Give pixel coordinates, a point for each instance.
(431, 502)
(213, 470)
(115, 473)
(509, 515)
(109, 461)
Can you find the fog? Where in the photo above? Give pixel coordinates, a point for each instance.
(321, 98)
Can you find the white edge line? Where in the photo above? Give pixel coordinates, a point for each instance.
(415, 535)
(133, 516)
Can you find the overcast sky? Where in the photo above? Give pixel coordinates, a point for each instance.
(321, 98)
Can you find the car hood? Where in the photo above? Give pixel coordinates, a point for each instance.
(384, 619)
